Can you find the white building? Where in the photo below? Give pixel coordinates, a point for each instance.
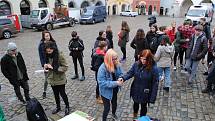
(178, 8)
(23, 7)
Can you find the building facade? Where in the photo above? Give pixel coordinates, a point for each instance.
(23, 7)
(143, 7)
(178, 8)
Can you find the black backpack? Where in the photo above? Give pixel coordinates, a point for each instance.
(154, 43)
(35, 111)
(96, 61)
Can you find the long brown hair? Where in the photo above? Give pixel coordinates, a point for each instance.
(43, 36)
(124, 26)
(140, 34)
(149, 58)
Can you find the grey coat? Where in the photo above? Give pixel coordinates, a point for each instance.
(200, 49)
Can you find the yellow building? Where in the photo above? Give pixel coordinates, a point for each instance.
(114, 7)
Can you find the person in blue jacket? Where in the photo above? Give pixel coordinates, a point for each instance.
(145, 85)
(108, 75)
(46, 37)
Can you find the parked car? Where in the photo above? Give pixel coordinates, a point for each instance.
(7, 28)
(93, 14)
(129, 13)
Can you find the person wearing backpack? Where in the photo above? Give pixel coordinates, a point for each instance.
(163, 57)
(56, 67)
(145, 84)
(196, 50)
(139, 43)
(76, 47)
(97, 60)
(123, 39)
(151, 37)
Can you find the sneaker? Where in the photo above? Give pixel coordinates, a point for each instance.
(56, 110)
(75, 77)
(166, 89)
(114, 117)
(82, 78)
(206, 73)
(67, 111)
(184, 72)
(44, 95)
(174, 68)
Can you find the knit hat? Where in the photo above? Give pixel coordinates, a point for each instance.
(11, 46)
(50, 45)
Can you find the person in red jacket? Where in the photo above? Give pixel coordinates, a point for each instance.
(171, 32)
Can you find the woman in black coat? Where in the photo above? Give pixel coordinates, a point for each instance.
(145, 85)
(152, 37)
(139, 43)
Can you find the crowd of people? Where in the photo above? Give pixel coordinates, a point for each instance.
(155, 53)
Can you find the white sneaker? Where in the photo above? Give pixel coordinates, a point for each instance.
(174, 68)
(184, 72)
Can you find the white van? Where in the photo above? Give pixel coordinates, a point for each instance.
(196, 12)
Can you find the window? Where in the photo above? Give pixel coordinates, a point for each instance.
(42, 4)
(4, 8)
(154, 8)
(5, 21)
(25, 7)
(44, 13)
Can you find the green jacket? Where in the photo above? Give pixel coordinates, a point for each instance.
(124, 39)
(178, 41)
(59, 77)
(2, 118)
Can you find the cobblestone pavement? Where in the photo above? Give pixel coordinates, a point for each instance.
(182, 103)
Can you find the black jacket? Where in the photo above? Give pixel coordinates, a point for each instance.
(9, 68)
(139, 45)
(76, 43)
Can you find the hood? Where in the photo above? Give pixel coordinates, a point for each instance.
(100, 52)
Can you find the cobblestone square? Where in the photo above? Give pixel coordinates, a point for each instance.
(182, 103)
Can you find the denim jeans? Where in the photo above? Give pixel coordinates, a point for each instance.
(191, 67)
(166, 71)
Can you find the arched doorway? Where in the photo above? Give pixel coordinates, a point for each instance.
(99, 3)
(123, 8)
(25, 7)
(71, 4)
(150, 10)
(185, 6)
(161, 10)
(85, 4)
(114, 9)
(58, 3)
(166, 11)
(141, 9)
(42, 4)
(5, 8)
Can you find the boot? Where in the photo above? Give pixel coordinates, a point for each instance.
(44, 95)
(56, 110)
(134, 116)
(67, 110)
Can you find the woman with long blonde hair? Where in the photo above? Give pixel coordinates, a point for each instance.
(108, 75)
